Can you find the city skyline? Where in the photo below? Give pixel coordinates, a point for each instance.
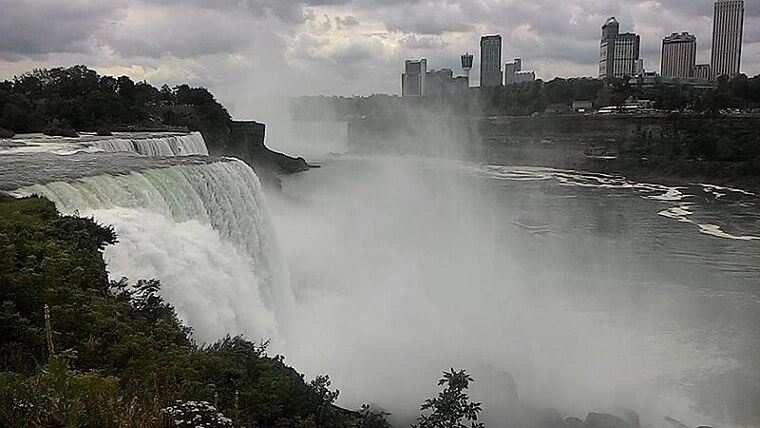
(249, 52)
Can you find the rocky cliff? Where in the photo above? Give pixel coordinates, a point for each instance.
(245, 140)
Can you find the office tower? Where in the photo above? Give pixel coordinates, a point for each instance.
(679, 55)
(413, 79)
(618, 52)
(490, 61)
(728, 29)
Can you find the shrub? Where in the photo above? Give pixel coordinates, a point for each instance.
(452, 408)
(104, 131)
(6, 133)
(59, 128)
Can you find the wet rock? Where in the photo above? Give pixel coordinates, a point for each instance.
(605, 420)
(573, 422)
(550, 418)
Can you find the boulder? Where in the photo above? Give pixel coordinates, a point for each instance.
(605, 420)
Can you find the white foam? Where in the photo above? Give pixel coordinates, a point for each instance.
(711, 188)
(715, 230)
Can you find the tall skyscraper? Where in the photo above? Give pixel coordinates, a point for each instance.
(618, 52)
(490, 61)
(728, 31)
(413, 79)
(679, 55)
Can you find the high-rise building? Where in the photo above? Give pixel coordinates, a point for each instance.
(413, 79)
(728, 31)
(490, 61)
(513, 73)
(618, 52)
(679, 55)
(702, 71)
(439, 82)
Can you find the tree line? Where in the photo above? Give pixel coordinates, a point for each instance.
(79, 99)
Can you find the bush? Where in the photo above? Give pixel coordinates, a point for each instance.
(6, 133)
(104, 131)
(452, 408)
(59, 128)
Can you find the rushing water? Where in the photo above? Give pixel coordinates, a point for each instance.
(144, 143)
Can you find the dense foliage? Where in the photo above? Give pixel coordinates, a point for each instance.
(525, 99)
(120, 356)
(80, 99)
(452, 407)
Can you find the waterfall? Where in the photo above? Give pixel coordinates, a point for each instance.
(170, 145)
(202, 229)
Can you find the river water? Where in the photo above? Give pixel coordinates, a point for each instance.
(593, 292)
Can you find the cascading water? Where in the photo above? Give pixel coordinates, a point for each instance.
(149, 144)
(198, 224)
(170, 145)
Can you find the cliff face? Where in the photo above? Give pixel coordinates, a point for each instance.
(724, 150)
(245, 140)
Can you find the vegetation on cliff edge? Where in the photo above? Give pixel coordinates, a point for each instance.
(116, 354)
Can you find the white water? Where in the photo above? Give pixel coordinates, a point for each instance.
(148, 144)
(202, 230)
(172, 145)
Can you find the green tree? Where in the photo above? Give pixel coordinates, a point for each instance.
(452, 408)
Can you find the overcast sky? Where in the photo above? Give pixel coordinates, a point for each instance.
(251, 52)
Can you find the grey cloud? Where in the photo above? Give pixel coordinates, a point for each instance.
(347, 21)
(49, 26)
(412, 41)
(426, 17)
(288, 11)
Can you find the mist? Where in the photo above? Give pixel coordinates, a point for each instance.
(403, 266)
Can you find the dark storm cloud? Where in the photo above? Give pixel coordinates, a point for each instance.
(52, 26)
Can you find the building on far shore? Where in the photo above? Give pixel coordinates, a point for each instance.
(442, 82)
(417, 81)
(513, 73)
(702, 71)
(679, 55)
(582, 106)
(728, 31)
(619, 53)
(655, 81)
(490, 61)
(413, 79)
